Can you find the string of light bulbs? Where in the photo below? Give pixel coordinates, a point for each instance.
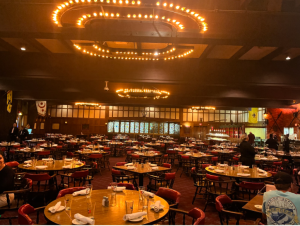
(143, 93)
(106, 56)
(65, 6)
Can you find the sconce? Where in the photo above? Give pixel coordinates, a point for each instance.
(266, 115)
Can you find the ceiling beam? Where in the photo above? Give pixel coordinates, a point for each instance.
(8, 46)
(207, 50)
(38, 45)
(68, 44)
(274, 54)
(241, 52)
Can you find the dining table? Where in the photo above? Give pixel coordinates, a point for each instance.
(257, 200)
(141, 169)
(252, 175)
(110, 215)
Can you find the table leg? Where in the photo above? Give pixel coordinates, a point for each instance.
(141, 180)
(196, 164)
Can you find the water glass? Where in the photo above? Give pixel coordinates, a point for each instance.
(68, 201)
(240, 164)
(129, 206)
(89, 189)
(50, 157)
(254, 169)
(114, 186)
(113, 200)
(141, 191)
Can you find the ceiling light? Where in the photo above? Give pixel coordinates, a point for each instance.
(288, 58)
(87, 104)
(143, 93)
(23, 48)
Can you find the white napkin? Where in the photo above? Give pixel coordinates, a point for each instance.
(66, 159)
(211, 168)
(84, 219)
(188, 153)
(219, 171)
(128, 217)
(129, 164)
(130, 167)
(153, 164)
(41, 167)
(155, 168)
(223, 165)
(28, 161)
(157, 206)
(53, 209)
(263, 158)
(27, 165)
(263, 174)
(147, 193)
(243, 174)
(245, 167)
(81, 192)
(67, 167)
(118, 188)
(47, 159)
(261, 171)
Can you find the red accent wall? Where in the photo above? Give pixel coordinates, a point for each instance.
(285, 120)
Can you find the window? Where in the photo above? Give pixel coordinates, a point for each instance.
(73, 111)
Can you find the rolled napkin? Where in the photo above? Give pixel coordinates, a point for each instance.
(155, 168)
(261, 171)
(147, 193)
(53, 209)
(211, 168)
(263, 174)
(66, 159)
(67, 167)
(157, 206)
(41, 167)
(219, 171)
(222, 165)
(81, 192)
(245, 167)
(128, 217)
(263, 159)
(83, 219)
(188, 153)
(243, 174)
(118, 188)
(130, 167)
(47, 159)
(27, 165)
(153, 164)
(28, 161)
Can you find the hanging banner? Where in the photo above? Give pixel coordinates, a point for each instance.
(41, 107)
(253, 115)
(9, 100)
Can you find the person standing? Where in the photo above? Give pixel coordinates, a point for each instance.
(13, 132)
(7, 182)
(272, 144)
(23, 134)
(286, 144)
(251, 138)
(247, 152)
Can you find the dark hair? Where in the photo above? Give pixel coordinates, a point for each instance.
(283, 187)
(271, 135)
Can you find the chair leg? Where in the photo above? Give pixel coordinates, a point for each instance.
(195, 195)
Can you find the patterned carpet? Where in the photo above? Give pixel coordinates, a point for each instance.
(182, 184)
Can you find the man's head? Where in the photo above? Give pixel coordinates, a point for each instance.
(244, 137)
(283, 181)
(15, 125)
(271, 136)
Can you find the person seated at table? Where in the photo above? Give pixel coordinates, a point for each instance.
(247, 152)
(272, 144)
(281, 207)
(6, 182)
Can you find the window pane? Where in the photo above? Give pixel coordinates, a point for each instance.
(177, 129)
(102, 114)
(97, 113)
(122, 127)
(75, 113)
(126, 127)
(131, 127)
(166, 128)
(162, 114)
(110, 127)
(130, 113)
(161, 128)
(172, 128)
(137, 127)
(173, 115)
(151, 129)
(70, 111)
(142, 124)
(125, 113)
(53, 112)
(115, 113)
(86, 113)
(80, 113)
(155, 129)
(58, 113)
(64, 112)
(146, 127)
(116, 127)
(120, 113)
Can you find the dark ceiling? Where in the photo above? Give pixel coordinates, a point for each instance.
(240, 61)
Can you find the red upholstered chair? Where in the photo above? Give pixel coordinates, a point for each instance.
(172, 155)
(70, 154)
(196, 214)
(164, 180)
(214, 160)
(216, 187)
(78, 176)
(66, 191)
(137, 158)
(166, 165)
(13, 164)
(43, 154)
(120, 177)
(129, 186)
(121, 163)
(250, 188)
(227, 207)
(23, 211)
(20, 197)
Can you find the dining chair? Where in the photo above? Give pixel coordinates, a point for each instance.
(105, 161)
(15, 199)
(24, 210)
(247, 190)
(216, 187)
(120, 177)
(200, 182)
(96, 158)
(172, 155)
(13, 165)
(187, 164)
(66, 191)
(78, 176)
(229, 208)
(43, 154)
(197, 215)
(164, 180)
(129, 186)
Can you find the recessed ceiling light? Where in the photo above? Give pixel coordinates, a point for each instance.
(288, 58)
(23, 48)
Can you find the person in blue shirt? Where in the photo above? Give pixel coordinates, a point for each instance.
(281, 207)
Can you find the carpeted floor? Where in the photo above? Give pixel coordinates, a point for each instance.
(182, 184)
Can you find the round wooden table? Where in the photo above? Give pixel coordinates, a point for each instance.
(57, 166)
(234, 173)
(112, 215)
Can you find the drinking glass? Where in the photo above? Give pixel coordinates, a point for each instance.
(240, 164)
(50, 157)
(129, 206)
(89, 189)
(133, 161)
(90, 208)
(225, 163)
(254, 169)
(68, 201)
(114, 186)
(113, 200)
